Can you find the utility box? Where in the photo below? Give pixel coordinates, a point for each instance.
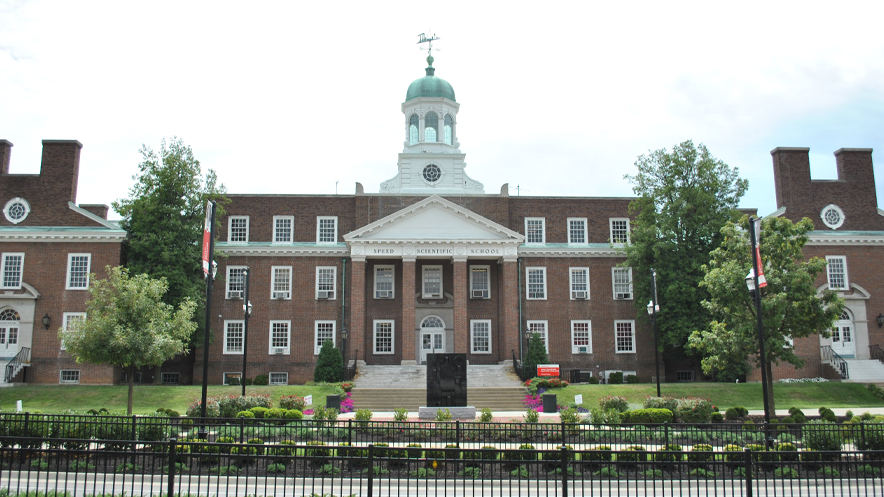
(446, 380)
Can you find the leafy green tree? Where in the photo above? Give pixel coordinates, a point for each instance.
(536, 355)
(164, 217)
(684, 199)
(128, 325)
(791, 306)
(329, 363)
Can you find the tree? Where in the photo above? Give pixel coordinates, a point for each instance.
(127, 324)
(791, 306)
(329, 363)
(684, 199)
(164, 217)
(536, 355)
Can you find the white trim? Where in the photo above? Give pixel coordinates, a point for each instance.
(66, 318)
(319, 220)
(10, 203)
(67, 281)
(424, 271)
(275, 250)
(273, 281)
(544, 332)
(528, 271)
(270, 378)
(486, 294)
(777, 213)
(631, 292)
(317, 346)
(392, 291)
(65, 235)
(374, 341)
(843, 259)
(98, 219)
(232, 374)
(611, 222)
(21, 270)
(585, 231)
(602, 250)
(271, 349)
(837, 211)
(291, 230)
(542, 230)
(227, 291)
(573, 293)
(473, 323)
(632, 329)
(230, 220)
(575, 349)
(334, 291)
(227, 323)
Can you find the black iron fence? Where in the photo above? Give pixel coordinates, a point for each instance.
(185, 467)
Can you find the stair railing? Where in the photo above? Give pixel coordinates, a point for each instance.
(839, 363)
(517, 366)
(876, 352)
(13, 366)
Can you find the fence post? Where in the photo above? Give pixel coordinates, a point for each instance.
(862, 435)
(748, 470)
(457, 432)
(27, 431)
(666, 434)
(564, 469)
(172, 456)
(370, 470)
(350, 431)
(562, 428)
(134, 428)
(242, 429)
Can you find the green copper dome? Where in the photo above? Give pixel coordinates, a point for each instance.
(430, 86)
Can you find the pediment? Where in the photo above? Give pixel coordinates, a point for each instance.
(434, 219)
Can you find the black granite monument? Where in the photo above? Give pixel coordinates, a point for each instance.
(446, 380)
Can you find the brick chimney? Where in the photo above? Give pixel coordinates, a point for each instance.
(5, 153)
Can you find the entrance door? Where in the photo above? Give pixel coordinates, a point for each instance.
(9, 333)
(432, 337)
(843, 336)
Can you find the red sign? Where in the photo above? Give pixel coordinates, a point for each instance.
(548, 370)
(207, 238)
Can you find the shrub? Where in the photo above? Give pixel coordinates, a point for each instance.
(794, 410)
(570, 415)
(799, 418)
(717, 417)
(256, 441)
(733, 452)
(607, 471)
(787, 420)
(245, 414)
(694, 410)
(292, 402)
(733, 413)
(260, 412)
(152, 428)
(536, 355)
(443, 414)
(631, 378)
(661, 403)
(703, 473)
(787, 447)
(652, 416)
(597, 453)
(294, 414)
(414, 451)
(668, 453)
(276, 413)
(593, 380)
(276, 468)
(700, 453)
(213, 409)
(362, 415)
(328, 364)
(633, 453)
(313, 451)
(605, 416)
(486, 416)
(400, 414)
(531, 416)
(346, 449)
(233, 404)
(615, 378)
(488, 453)
(786, 473)
(523, 453)
(556, 455)
(822, 435)
(614, 402)
(284, 448)
(261, 379)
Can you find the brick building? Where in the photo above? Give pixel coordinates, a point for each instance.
(431, 263)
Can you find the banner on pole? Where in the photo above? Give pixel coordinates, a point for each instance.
(762, 282)
(207, 238)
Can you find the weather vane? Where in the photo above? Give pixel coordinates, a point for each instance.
(423, 38)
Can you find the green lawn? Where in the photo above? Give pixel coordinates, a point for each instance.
(147, 398)
(724, 395)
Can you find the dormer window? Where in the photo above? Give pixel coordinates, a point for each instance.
(413, 124)
(449, 129)
(431, 126)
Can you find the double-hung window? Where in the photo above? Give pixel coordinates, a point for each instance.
(581, 337)
(283, 229)
(327, 229)
(577, 230)
(69, 320)
(383, 282)
(238, 229)
(324, 332)
(579, 277)
(625, 337)
(234, 334)
(235, 282)
(539, 327)
(480, 282)
(13, 265)
(836, 269)
(622, 278)
(619, 230)
(325, 282)
(383, 336)
(281, 286)
(536, 287)
(78, 271)
(432, 287)
(535, 230)
(480, 336)
(280, 335)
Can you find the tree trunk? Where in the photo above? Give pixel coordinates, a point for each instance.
(769, 386)
(131, 374)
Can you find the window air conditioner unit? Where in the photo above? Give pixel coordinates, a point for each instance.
(280, 295)
(279, 350)
(234, 295)
(478, 294)
(582, 350)
(581, 295)
(621, 296)
(324, 294)
(432, 295)
(384, 294)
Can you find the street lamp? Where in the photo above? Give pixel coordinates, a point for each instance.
(247, 311)
(653, 307)
(344, 347)
(755, 292)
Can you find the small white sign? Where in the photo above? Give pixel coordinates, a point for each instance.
(578, 399)
(308, 400)
(17, 406)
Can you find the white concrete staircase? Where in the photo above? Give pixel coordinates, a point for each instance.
(478, 376)
(865, 371)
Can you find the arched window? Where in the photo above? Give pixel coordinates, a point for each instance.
(431, 126)
(432, 322)
(9, 315)
(413, 123)
(9, 328)
(449, 128)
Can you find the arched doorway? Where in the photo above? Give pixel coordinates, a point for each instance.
(843, 339)
(432, 337)
(9, 328)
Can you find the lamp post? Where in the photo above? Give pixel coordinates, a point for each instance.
(344, 347)
(755, 292)
(653, 308)
(247, 311)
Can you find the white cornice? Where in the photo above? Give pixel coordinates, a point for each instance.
(92, 235)
(821, 238)
(283, 250)
(571, 252)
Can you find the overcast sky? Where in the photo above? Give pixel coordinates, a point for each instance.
(557, 98)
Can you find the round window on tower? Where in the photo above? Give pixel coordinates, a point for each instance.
(432, 173)
(17, 210)
(832, 216)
